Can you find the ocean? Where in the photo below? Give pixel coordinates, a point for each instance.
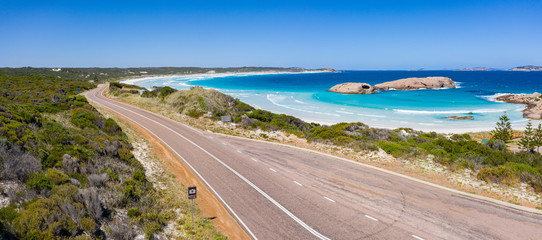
(304, 95)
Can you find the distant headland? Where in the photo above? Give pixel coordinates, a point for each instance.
(527, 68)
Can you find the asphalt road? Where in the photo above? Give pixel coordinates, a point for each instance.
(277, 192)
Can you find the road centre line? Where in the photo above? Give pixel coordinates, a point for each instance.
(298, 183)
(189, 165)
(223, 143)
(239, 151)
(254, 159)
(286, 211)
(372, 218)
(273, 170)
(331, 200)
(419, 238)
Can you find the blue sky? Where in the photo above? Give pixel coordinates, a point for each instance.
(362, 35)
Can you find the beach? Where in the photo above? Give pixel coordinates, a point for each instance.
(304, 96)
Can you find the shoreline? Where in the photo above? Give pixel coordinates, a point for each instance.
(387, 120)
(424, 169)
(133, 81)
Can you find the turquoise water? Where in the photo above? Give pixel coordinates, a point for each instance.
(304, 95)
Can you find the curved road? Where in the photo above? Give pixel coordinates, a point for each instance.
(278, 192)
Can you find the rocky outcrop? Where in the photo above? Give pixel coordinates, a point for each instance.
(416, 83)
(533, 102)
(353, 88)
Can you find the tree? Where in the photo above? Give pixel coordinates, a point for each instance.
(503, 130)
(528, 140)
(537, 138)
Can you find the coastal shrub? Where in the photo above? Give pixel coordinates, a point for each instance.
(242, 107)
(496, 144)
(83, 118)
(139, 176)
(39, 181)
(500, 174)
(115, 84)
(342, 141)
(56, 177)
(88, 224)
(148, 94)
(111, 127)
(325, 133)
(166, 91)
(8, 213)
(133, 213)
(261, 115)
(392, 148)
(194, 112)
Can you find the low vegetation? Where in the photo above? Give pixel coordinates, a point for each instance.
(491, 161)
(67, 172)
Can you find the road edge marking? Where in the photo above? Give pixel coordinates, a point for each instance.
(277, 204)
(188, 164)
(475, 196)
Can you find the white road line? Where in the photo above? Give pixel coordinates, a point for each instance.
(298, 183)
(224, 143)
(419, 238)
(372, 218)
(273, 170)
(254, 159)
(277, 204)
(239, 151)
(189, 165)
(331, 200)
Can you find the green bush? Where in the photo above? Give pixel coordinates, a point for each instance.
(115, 84)
(140, 176)
(133, 213)
(392, 148)
(88, 224)
(8, 213)
(83, 118)
(39, 181)
(166, 91)
(500, 174)
(56, 177)
(194, 112)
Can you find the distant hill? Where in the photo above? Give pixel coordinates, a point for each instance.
(477, 69)
(527, 68)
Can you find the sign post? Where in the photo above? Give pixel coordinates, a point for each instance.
(192, 194)
(225, 119)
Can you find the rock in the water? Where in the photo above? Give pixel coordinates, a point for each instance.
(460, 117)
(416, 83)
(353, 88)
(533, 110)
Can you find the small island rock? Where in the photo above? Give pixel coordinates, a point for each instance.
(352, 88)
(460, 117)
(416, 83)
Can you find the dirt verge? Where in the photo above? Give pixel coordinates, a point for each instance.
(210, 206)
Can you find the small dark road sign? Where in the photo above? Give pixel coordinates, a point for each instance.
(192, 193)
